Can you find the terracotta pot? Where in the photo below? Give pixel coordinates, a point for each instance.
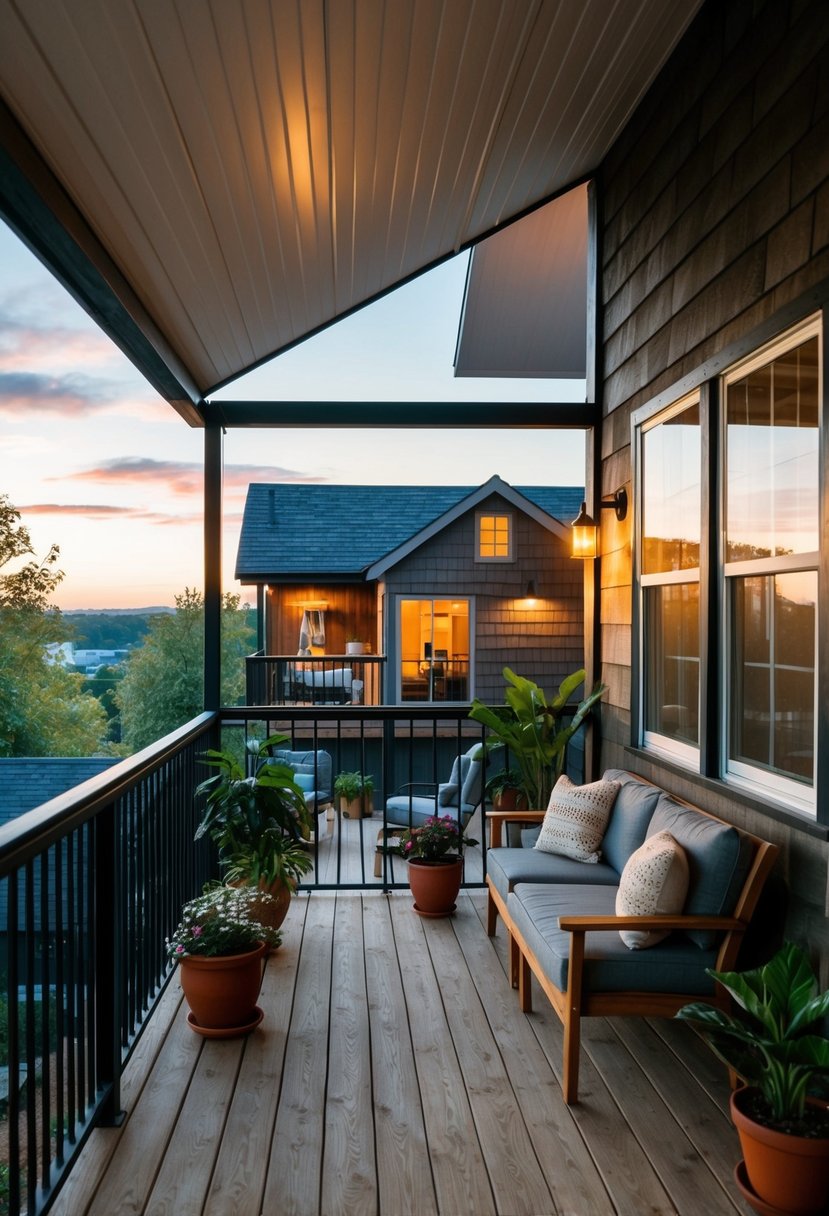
(435, 885)
(222, 991)
(510, 800)
(788, 1173)
(360, 807)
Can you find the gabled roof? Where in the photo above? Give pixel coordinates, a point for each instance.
(315, 531)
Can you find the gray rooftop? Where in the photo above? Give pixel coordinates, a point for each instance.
(317, 530)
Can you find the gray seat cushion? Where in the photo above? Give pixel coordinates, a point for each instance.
(718, 860)
(629, 819)
(506, 867)
(398, 808)
(674, 965)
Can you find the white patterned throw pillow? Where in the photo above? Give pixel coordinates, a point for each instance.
(576, 818)
(654, 882)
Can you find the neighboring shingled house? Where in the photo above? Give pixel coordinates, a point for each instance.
(451, 583)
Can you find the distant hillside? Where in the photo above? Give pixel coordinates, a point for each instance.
(109, 630)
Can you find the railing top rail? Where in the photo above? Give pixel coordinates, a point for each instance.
(34, 831)
(260, 656)
(427, 711)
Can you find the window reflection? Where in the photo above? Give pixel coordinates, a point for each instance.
(671, 629)
(772, 458)
(671, 499)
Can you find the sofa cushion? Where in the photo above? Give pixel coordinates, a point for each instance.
(674, 965)
(507, 866)
(654, 882)
(576, 818)
(718, 861)
(630, 817)
(528, 836)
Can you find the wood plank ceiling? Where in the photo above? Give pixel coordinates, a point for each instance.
(254, 169)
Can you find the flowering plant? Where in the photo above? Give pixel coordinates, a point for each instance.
(439, 837)
(222, 921)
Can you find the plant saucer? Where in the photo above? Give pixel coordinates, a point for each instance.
(750, 1195)
(226, 1032)
(435, 915)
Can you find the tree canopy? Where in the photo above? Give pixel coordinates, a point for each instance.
(43, 708)
(164, 684)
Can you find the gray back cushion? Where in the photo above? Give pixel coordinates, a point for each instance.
(632, 812)
(718, 861)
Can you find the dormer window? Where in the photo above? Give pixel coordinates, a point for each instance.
(494, 538)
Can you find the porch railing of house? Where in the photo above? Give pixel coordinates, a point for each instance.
(92, 883)
(330, 679)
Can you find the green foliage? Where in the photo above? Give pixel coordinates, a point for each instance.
(769, 1046)
(532, 728)
(109, 630)
(164, 682)
(21, 1026)
(257, 821)
(103, 685)
(351, 785)
(44, 710)
(222, 921)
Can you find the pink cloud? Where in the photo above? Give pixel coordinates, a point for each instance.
(180, 477)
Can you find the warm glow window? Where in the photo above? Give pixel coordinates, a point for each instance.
(495, 538)
(434, 650)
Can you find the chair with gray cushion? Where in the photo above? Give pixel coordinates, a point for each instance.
(414, 803)
(312, 773)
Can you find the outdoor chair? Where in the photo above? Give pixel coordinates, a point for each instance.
(412, 804)
(313, 773)
(319, 685)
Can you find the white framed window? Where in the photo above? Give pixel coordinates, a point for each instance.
(770, 477)
(494, 537)
(670, 469)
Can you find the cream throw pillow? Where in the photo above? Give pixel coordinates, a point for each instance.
(654, 882)
(576, 818)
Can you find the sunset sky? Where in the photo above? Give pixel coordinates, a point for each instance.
(99, 464)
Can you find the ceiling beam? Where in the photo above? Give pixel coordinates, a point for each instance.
(35, 205)
(435, 415)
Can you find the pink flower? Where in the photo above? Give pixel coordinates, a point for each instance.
(179, 949)
(197, 931)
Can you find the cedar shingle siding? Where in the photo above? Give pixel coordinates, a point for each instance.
(715, 221)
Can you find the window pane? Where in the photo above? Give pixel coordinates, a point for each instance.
(671, 494)
(671, 627)
(772, 458)
(773, 673)
(494, 536)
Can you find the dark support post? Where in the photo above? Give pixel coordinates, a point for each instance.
(108, 969)
(593, 473)
(212, 567)
(260, 617)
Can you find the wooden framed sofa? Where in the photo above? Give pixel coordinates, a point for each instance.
(563, 928)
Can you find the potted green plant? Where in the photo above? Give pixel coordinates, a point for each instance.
(258, 820)
(354, 791)
(505, 790)
(434, 853)
(219, 944)
(775, 1050)
(535, 729)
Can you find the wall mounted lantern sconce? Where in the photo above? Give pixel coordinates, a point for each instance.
(585, 529)
(531, 593)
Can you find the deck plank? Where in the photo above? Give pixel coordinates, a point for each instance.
(294, 1167)
(460, 1175)
(571, 1173)
(404, 1174)
(349, 1173)
(239, 1175)
(515, 1174)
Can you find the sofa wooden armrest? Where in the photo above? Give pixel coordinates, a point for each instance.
(585, 924)
(497, 819)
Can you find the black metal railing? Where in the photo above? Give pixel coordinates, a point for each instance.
(91, 884)
(331, 679)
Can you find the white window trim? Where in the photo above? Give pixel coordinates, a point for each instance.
(794, 795)
(685, 754)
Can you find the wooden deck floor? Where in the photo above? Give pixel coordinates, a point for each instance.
(394, 1075)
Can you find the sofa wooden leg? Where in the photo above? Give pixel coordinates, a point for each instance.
(491, 915)
(514, 961)
(525, 991)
